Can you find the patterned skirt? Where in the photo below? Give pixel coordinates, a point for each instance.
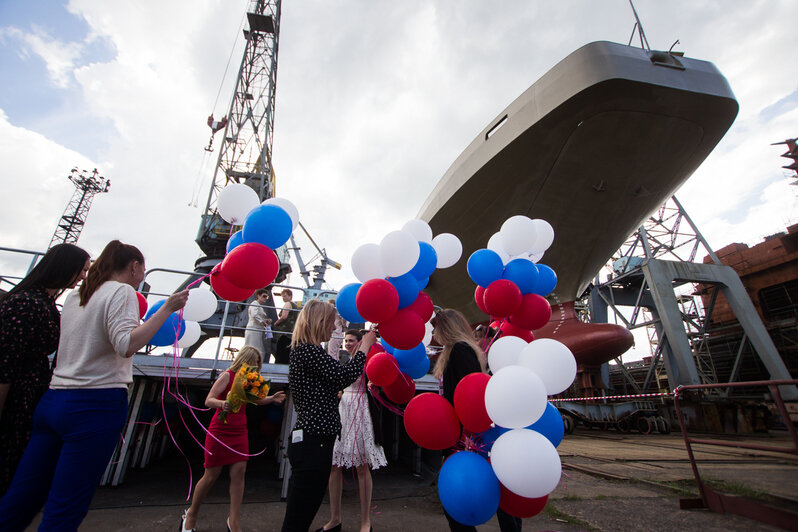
(356, 446)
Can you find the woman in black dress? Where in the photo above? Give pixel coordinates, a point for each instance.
(29, 329)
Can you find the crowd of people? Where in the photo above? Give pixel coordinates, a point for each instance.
(61, 420)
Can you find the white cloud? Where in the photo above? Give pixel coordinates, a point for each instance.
(59, 57)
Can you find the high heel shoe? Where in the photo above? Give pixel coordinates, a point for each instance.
(183, 523)
(228, 525)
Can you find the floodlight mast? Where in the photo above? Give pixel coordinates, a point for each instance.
(246, 148)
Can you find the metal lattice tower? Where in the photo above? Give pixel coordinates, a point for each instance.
(246, 148)
(87, 185)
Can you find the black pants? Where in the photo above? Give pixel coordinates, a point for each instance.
(311, 460)
(282, 348)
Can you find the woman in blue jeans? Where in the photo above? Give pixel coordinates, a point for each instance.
(78, 421)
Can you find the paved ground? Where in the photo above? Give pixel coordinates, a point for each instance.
(611, 482)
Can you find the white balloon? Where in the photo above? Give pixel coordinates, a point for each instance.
(235, 201)
(536, 256)
(495, 244)
(526, 463)
(517, 234)
(427, 334)
(200, 306)
(399, 252)
(190, 335)
(288, 207)
(515, 397)
(366, 263)
(505, 352)
(449, 249)
(552, 361)
(544, 235)
(419, 229)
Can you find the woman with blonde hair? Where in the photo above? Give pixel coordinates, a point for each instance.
(314, 379)
(227, 442)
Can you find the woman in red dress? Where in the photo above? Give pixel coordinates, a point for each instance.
(227, 442)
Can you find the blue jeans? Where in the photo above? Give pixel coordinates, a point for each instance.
(74, 436)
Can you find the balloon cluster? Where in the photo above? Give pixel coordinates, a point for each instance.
(200, 306)
(511, 288)
(250, 262)
(392, 275)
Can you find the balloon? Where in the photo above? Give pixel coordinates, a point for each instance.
(419, 369)
(399, 251)
(518, 234)
(236, 239)
(381, 369)
(142, 304)
(427, 261)
(484, 267)
(515, 397)
(431, 422)
(388, 348)
(423, 306)
(552, 361)
(523, 273)
(192, 334)
(172, 329)
(505, 352)
(366, 263)
(407, 288)
(468, 488)
(469, 402)
(422, 283)
(523, 507)
(508, 329)
(400, 390)
(409, 358)
(533, 313)
(227, 290)
(404, 330)
(501, 298)
(235, 201)
(345, 303)
(288, 207)
(251, 265)
(547, 280)
(376, 348)
(536, 256)
(479, 294)
(377, 300)
(544, 235)
(550, 425)
(526, 463)
(485, 440)
(427, 333)
(495, 243)
(448, 248)
(200, 306)
(269, 225)
(419, 229)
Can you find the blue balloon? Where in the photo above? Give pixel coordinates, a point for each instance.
(409, 358)
(407, 287)
(388, 348)
(269, 225)
(427, 261)
(422, 283)
(420, 369)
(166, 334)
(550, 425)
(487, 438)
(236, 239)
(484, 267)
(547, 280)
(523, 273)
(468, 488)
(345, 303)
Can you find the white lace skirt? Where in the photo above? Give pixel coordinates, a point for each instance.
(356, 446)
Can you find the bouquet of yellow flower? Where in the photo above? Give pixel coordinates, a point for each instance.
(248, 386)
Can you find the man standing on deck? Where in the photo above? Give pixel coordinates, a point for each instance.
(284, 327)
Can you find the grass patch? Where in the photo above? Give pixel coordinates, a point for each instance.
(735, 488)
(572, 497)
(556, 514)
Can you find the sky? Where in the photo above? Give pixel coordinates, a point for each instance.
(374, 101)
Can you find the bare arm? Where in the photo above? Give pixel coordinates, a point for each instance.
(144, 332)
(277, 398)
(218, 387)
(3, 394)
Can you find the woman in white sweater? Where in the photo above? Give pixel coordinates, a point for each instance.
(78, 421)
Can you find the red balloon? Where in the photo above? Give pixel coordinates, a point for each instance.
(376, 348)
(469, 402)
(422, 306)
(382, 369)
(534, 312)
(405, 330)
(479, 295)
(519, 506)
(251, 265)
(142, 304)
(377, 300)
(508, 329)
(227, 290)
(400, 390)
(502, 297)
(431, 422)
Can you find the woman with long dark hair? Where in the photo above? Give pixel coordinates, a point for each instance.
(78, 421)
(29, 329)
(314, 379)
